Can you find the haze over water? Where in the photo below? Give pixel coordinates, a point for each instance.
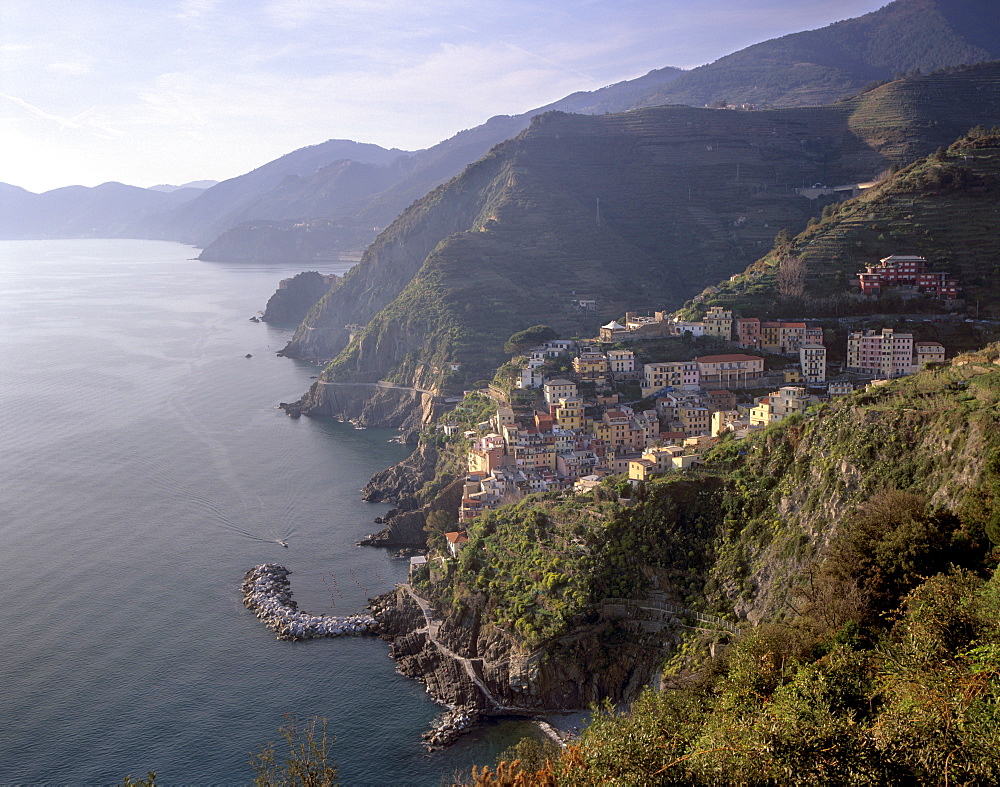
(144, 468)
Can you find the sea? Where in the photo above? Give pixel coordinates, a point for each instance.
(144, 467)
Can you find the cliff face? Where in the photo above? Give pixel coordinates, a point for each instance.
(464, 663)
(296, 296)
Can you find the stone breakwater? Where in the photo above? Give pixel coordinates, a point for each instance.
(268, 594)
(448, 727)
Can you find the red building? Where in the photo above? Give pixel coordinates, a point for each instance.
(907, 270)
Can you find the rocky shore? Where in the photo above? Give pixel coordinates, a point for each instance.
(267, 593)
(465, 663)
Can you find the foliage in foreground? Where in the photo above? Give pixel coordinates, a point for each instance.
(307, 762)
(919, 703)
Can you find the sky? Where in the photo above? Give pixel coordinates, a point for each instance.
(146, 92)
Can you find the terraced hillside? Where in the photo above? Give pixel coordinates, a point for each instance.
(945, 207)
(636, 210)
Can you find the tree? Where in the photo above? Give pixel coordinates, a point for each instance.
(792, 277)
(522, 340)
(308, 761)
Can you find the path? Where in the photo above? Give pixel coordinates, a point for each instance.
(384, 384)
(431, 628)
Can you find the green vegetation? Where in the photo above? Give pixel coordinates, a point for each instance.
(536, 568)
(529, 337)
(941, 207)
(513, 240)
(862, 537)
(916, 704)
(307, 763)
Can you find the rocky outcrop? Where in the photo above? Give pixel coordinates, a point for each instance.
(405, 528)
(401, 482)
(463, 662)
(296, 296)
(370, 404)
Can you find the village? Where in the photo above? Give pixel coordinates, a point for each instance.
(569, 430)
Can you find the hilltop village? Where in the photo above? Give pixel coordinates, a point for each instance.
(574, 412)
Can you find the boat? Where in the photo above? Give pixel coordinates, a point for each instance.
(283, 543)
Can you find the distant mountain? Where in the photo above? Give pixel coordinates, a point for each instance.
(637, 210)
(110, 210)
(217, 208)
(339, 210)
(194, 184)
(821, 66)
(803, 69)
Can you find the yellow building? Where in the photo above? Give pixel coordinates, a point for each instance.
(591, 367)
(569, 414)
(719, 322)
(694, 420)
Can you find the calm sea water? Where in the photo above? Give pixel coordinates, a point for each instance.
(144, 468)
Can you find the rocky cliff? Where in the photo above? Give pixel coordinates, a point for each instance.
(463, 662)
(296, 296)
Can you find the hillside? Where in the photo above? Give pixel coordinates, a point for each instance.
(343, 207)
(821, 66)
(686, 197)
(807, 537)
(942, 207)
(216, 209)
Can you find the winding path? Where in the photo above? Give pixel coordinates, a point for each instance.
(431, 628)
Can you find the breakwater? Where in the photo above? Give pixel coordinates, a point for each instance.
(268, 594)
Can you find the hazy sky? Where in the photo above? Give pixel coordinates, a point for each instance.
(170, 91)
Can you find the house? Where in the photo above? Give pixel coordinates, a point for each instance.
(621, 363)
(721, 399)
(839, 387)
(887, 354)
(729, 370)
(694, 420)
(747, 331)
(679, 327)
(910, 271)
(812, 362)
(670, 374)
(568, 413)
(531, 376)
(614, 331)
(554, 390)
(719, 322)
(456, 540)
(591, 367)
(927, 352)
(722, 419)
(778, 405)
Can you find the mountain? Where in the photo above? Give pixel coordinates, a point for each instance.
(194, 184)
(343, 207)
(110, 210)
(209, 214)
(942, 207)
(803, 69)
(821, 66)
(638, 210)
